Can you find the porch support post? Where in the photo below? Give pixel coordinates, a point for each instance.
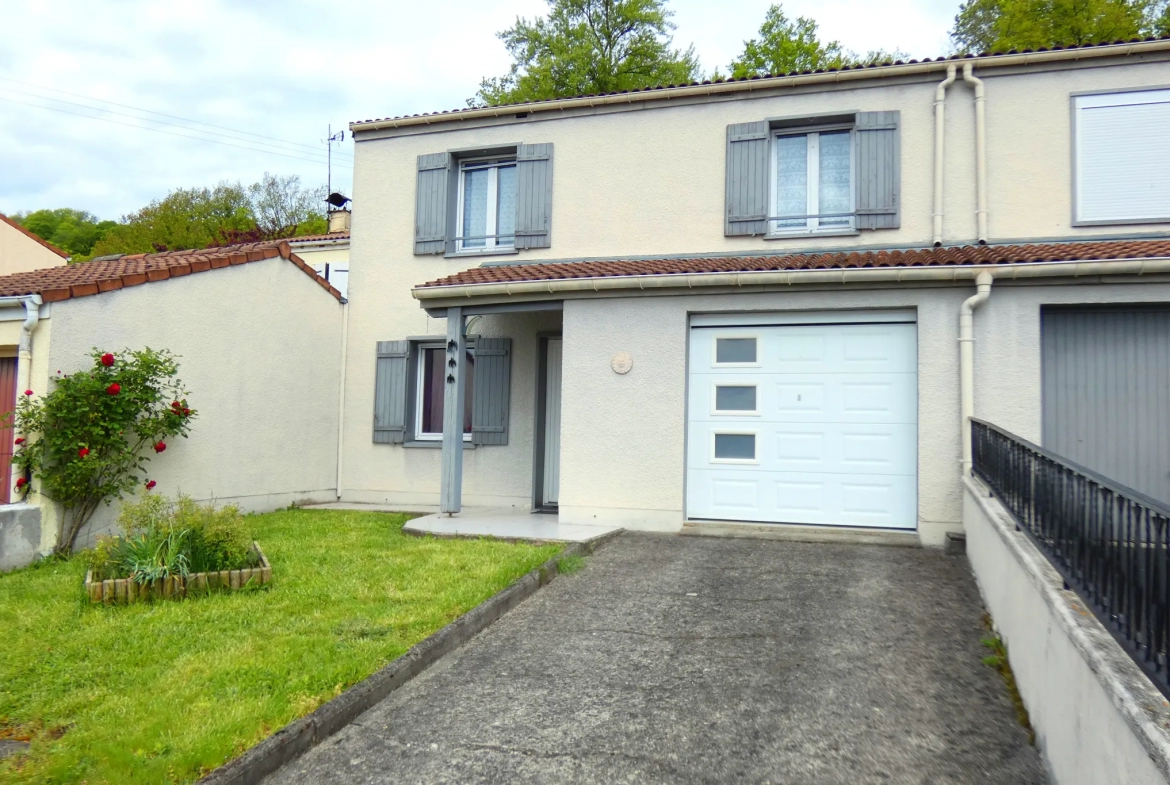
(451, 495)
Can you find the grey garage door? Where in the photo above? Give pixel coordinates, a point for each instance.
(1106, 392)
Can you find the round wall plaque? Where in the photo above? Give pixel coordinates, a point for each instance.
(622, 362)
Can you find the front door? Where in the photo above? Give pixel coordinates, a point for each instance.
(549, 447)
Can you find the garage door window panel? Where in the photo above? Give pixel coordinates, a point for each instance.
(736, 399)
(733, 447)
(737, 351)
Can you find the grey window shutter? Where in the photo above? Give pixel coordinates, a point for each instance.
(747, 179)
(390, 392)
(534, 171)
(431, 204)
(879, 170)
(493, 383)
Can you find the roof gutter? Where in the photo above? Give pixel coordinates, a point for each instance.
(749, 85)
(1074, 269)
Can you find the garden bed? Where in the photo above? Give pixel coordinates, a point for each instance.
(114, 591)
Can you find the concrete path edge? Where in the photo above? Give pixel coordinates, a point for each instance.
(299, 736)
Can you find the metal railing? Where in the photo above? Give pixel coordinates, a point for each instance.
(1108, 542)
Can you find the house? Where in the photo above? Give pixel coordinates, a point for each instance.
(258, 335)
(328, 254)
(766, 301)
(21, 250)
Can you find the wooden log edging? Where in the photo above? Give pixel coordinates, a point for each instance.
(299, 736)
(122, 591)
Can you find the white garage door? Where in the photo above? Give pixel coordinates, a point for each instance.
(804, 423)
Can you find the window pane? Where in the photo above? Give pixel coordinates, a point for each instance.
(735, 350)
(791, 180)
(506, 206)
(737, 446)
(834, 178)
(432, 368)
(475, 184)
(735, 399)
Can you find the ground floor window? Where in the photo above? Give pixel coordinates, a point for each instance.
(430, 393)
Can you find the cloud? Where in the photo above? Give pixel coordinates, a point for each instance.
(287, 69)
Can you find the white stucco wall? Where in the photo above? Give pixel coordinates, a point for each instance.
(20, 253)
(1097, 718)
(259, 347)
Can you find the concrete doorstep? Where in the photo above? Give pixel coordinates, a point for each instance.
(296, 738)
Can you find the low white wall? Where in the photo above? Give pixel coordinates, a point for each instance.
(259, 347)
(1098, 719)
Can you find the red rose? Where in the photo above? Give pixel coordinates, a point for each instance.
(19, 440)
(160, 446)
(176, 405)
(107, 359)
(28, 392)
(21, 482)
(186, 412)
(84, 451)
(150, 485)
(114, 389)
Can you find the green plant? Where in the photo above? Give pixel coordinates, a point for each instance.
(86, 442)
(570, 564)
(998, 661)
(161, 538)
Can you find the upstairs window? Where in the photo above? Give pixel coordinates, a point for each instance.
(812, 182)
(1122, 158)
(484, 201)
(487, 205)
(825, 174)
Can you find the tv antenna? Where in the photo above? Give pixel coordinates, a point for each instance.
(338, 137)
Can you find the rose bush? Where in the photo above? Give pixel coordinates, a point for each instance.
(84, 443)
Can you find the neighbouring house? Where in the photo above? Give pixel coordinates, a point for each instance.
(21, 250)
(258, 334)
(765, 301)
(328, 254)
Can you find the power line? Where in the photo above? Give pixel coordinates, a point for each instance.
(159, 122)
(168, 133)
(149, 111)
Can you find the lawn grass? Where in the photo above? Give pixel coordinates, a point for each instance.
(166, 691)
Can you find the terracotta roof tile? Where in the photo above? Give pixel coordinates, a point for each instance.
(836, 260)
(316, 238)
(22, 230)
(109, 273)
(980, 56)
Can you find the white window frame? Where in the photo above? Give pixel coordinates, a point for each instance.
(716, 411)
(812, 202)
(420, 390)
(738, 336)
(1099, 100)
(739, 461)
(492, 165)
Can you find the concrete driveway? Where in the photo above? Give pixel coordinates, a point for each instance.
(701, 660)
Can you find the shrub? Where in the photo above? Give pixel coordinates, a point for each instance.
(85, 442)
(161, 538)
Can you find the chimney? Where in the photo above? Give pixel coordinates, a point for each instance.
(338, 221)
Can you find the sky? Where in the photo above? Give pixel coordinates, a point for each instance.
(259, 82)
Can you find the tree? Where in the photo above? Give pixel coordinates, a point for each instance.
(185, 218)
(282, 208)
(786, 45)
(85, 443)
(589, 47)
(1000, 25)
(227, 214)
(73, 231)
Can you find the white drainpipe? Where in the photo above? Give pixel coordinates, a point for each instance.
(967, 362)
(341, 397)
(32, 311)
(940, 100)
(980, 152)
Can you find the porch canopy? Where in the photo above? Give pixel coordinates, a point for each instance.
(544, 286)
